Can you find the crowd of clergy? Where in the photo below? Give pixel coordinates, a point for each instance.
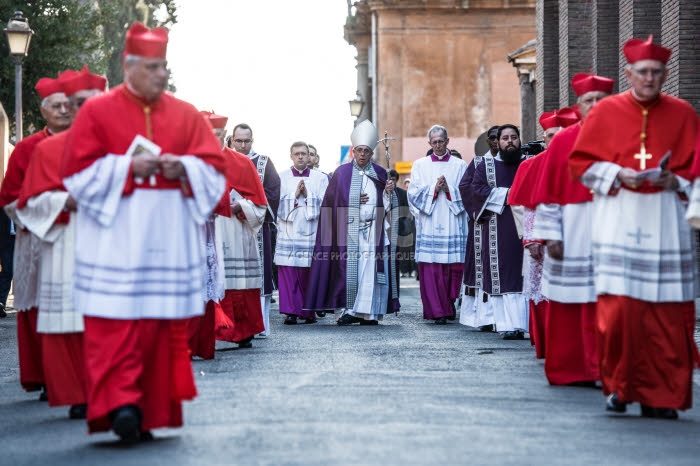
(144, 235)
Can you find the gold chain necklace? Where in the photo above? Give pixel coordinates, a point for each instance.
(643, 155)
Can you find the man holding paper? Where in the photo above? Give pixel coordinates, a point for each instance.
(642, 245)
(138, 270)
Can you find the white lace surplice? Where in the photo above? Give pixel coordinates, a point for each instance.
(532, 269)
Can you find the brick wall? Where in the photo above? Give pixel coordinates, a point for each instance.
(680, 20)
(605, 38)
(547, 73)
(575, 53)
(638, 18)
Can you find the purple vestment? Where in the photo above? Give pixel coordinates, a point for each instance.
(501, 247)
(271, 183)
(293, 283)
(327, 281)
(439, 288)
(465, 190)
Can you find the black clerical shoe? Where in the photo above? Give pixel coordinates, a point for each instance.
(347, 319)
(441, 321)
(43, 396)
(321, 313)
(511, 335)
(273, 300)
(613, 403)
(486, 328)
(519, 335)
(369, 322)
(583, 384)
(290, 320)
(659, 413)
(146, 436)
(3, 312)
(126, 423)
(77, 411)
(247, 343)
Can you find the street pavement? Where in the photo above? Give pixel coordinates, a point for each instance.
(404, 392)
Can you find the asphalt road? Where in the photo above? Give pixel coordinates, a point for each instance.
(405, 392)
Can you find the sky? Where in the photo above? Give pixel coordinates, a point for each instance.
(281, 66)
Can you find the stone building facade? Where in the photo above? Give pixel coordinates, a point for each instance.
(587, 35)
(425, 62)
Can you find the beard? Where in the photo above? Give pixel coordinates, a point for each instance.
(511, 155)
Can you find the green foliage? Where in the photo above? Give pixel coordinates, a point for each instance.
(126, 12)
(67, 35)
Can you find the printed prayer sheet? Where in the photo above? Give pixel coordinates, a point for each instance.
(142, 146)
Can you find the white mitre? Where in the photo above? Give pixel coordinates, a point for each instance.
(365, 134)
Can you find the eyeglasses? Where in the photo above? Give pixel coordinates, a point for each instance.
(437, 142)
(655, 72)
(363, 151)
(242, 141)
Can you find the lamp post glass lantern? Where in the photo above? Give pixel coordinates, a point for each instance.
(356, 105)
(18, 36)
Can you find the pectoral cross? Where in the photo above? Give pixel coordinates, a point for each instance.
(642, 156)
(440, 228)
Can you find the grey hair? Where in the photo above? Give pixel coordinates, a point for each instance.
(628, 66)
(45, 102)
(436, 128)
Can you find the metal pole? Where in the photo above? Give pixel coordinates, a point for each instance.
(18, 99)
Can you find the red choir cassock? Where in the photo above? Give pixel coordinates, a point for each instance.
(569, 328)
(133, 360)
(241, 307)
(62, 353)
(646, 346)
(237, 316)
(525, 185)
(521, 194)
(31, 372)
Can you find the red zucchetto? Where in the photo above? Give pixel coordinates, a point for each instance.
(558, 118)
(145, 42)
(217, 121)
(82, 81)
(585, 82)
(638, 49)
(47, 86)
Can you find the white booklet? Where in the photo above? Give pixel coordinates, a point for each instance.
(140, 146)
(653, 174)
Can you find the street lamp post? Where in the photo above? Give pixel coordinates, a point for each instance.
(356, 106)
(18, 37)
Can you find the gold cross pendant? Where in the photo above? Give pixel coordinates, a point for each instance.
(642, 156)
